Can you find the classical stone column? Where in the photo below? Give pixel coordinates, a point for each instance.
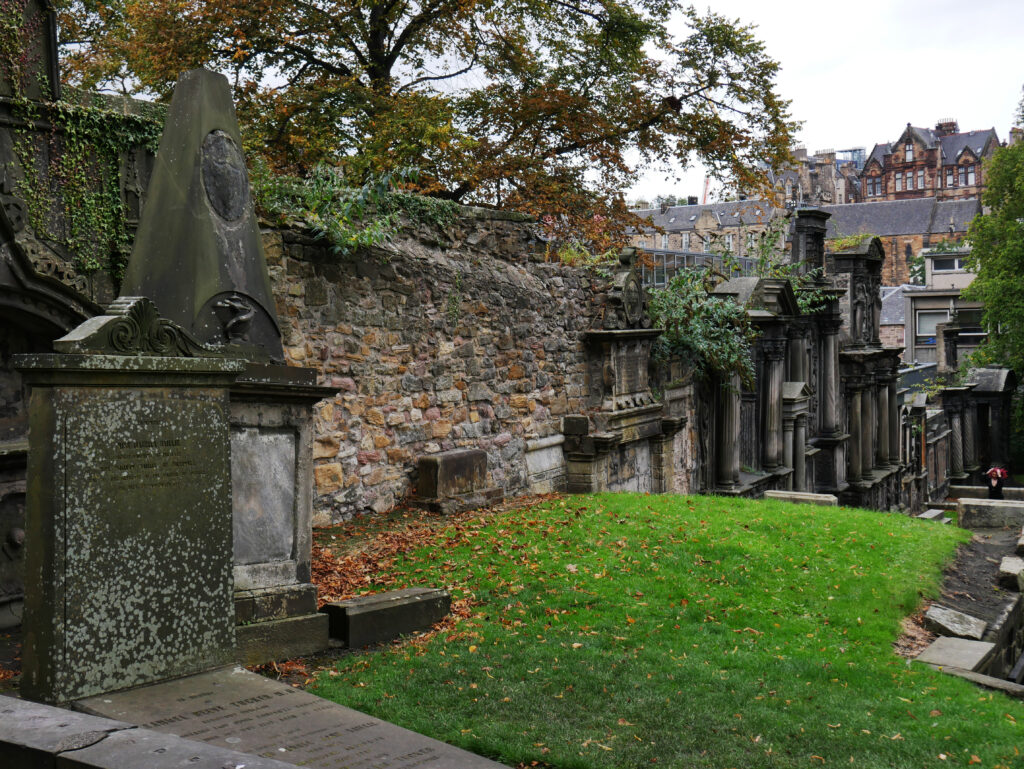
(829, 379)
(882, 452)
(799, 456)
(867, 430)
(775, 354)
(956, 458)
(797, 356)
(854, 444)
(788, 448)
(728, 438)
(894, 423)
(970, 450)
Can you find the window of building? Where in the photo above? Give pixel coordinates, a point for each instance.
(963, 176)
(705, 244)
(909, 151)
(947, 264)
(910, 180)
(949, 177)
(970, 176)
(750, 242)
(664, 241)
(927, 321)
(728, 243)
(920, 178)
(899, 181)
(686, 241)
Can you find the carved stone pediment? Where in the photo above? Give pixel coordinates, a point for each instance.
(133, 326)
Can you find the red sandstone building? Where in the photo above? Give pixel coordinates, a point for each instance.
(938, 162)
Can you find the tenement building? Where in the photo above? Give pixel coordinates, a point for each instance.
(940, 162)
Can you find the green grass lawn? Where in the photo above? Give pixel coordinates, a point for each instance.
(632, 630)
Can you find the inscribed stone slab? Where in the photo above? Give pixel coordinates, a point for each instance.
(263, 494)
(233, 708)
(134, 576)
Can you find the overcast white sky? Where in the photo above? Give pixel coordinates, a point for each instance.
(858, 72)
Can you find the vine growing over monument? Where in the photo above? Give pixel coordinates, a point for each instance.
(349, 218)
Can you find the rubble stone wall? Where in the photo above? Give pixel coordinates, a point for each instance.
(466, 338)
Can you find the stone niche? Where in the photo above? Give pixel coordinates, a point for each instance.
(272, 494)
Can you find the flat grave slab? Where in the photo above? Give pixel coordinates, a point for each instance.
(241, 711)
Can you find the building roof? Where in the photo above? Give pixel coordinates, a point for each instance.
(878, 153)
(901, 217)
(893, 306)
(954, 144)
(733, 213)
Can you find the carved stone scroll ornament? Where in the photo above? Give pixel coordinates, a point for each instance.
(133, 326)
(627, 301)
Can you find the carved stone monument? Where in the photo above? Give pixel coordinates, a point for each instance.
(621, 451)
(199, 254)
(198, 251)
(128, 577)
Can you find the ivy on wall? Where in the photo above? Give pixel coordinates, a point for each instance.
(71, 151)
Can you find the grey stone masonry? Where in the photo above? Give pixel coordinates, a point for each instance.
(989, 513)
(34, 736)
(949, 622)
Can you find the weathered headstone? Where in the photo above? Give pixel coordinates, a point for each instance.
(128, 577)
(198, 253)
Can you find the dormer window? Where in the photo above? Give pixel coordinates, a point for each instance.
(908, 152)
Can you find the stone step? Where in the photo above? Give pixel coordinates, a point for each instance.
(1010, 572)
(932, 514)
(373, 619)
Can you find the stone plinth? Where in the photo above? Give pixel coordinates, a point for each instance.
(128, 577)
(373, 619)
(455, 480)
(272, 498)
(989, 513)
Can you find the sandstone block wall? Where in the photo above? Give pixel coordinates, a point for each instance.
(465, 338)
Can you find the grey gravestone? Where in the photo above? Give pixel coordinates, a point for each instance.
(239, 710)
(198, 253)
(129, 508)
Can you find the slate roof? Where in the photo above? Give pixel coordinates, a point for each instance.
(901, 217)
(954, 144)
(879, 153)
(893, 306)
(737, 212)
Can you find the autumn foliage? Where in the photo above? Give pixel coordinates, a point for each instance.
(549, 107)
